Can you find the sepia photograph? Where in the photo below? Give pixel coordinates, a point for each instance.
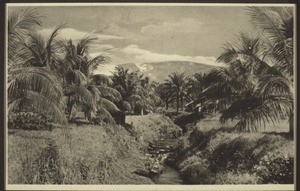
(141, 96)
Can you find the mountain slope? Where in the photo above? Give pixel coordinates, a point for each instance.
(159, 71)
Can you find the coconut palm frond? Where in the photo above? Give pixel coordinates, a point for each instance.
(125, 106)
(45, 105)
(108, 105)
(95, 62)
(105, 115)
(76, 77)
(36, 79)
(283, 57)
(33, 50)
(246, 46)
(155, 99)
(271, 110)
(61, 44)
(110, 93)
(247, 53)
(269, 22)
(276, 25)
(85, 42)
(275, 85)
(19, 24)
(86, 97)
(238, 108)
(101, 79)
(95, 92)
(42, 104)
(134, 98)
(50, 47)
(26, 20)
(229, 53)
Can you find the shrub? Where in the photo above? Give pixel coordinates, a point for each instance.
(195, 170)
(239, 158)
(275, 160)
(275, 169)
(29, 121)
(236, 154)
(236, 177)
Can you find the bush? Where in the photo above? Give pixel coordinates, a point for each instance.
(238, 158)
(236, 177)
(275, 169)
(276, 160)
(29, 121)
(195, 170)
(233, 154)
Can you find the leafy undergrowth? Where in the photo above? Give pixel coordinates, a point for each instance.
(84, 154)
(217, 155)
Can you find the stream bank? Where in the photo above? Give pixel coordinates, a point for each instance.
(160, 138)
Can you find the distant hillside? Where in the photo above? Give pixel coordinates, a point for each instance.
(159, 71)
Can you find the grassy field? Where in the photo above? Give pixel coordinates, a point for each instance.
(212, 122)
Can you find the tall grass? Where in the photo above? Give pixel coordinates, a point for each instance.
(81, 155)
(86, 154)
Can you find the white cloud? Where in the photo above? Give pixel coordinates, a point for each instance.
(70, 33)
(141, 56)
(182, 26)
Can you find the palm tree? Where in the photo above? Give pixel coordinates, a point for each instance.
(195, 85)
(82, 87)
(257, 87)
(125, 82)
(137, 91)
(176, 86)
(20, 24)
(276, 26)
(32, 85)
(145, 98)
(164, 94)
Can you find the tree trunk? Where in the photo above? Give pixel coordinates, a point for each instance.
(70, 112)
(291, 124)
(182, 103)
(142, 111)
(177, 103)
(167, 104)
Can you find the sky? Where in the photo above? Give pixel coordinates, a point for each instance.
(138, 34)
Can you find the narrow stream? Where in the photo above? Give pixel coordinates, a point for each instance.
(168, 174)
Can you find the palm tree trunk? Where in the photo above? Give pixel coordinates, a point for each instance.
(182, 103)
(177, 103)
(291, 124)
(70, 111)
(167, 104)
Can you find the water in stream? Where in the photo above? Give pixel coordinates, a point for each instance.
(169, 175)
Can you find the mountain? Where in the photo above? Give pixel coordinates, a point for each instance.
(159, 71)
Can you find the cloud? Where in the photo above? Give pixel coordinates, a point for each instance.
(183, 26)
(96, 49)
(106, 69)
(70, 33)
(141, 56)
